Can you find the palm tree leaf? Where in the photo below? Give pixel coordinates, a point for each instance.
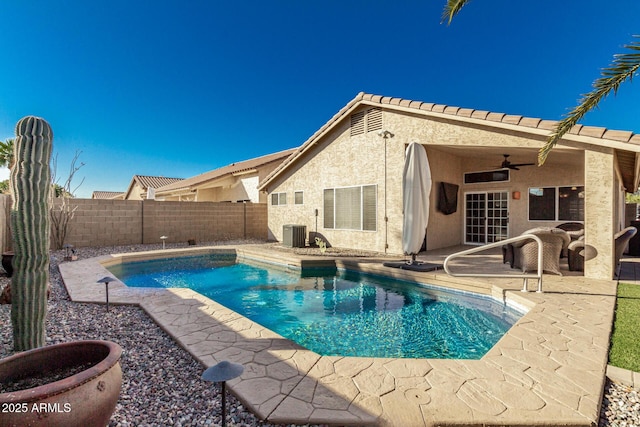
(451, 9)
(623, 68)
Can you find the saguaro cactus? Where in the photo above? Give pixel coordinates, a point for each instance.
(30, 185)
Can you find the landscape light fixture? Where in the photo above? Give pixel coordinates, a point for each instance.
(220, 373)
(163, 238)
(106, 280)
(70, 253)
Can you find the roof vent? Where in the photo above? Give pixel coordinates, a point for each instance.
(374, 119)
(366, 121)
(357, 123)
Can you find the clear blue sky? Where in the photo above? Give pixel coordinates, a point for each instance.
(177, 88)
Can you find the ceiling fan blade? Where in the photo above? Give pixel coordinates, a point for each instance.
(522, 164)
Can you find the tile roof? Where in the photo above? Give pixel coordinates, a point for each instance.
(247, 165)
(106, 194)
(454, 112)
(146, 181)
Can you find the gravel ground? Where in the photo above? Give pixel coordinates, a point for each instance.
(161, 381)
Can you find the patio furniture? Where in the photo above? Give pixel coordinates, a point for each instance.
(571, 226)
(575, 230)
(525, 253)
(507, 254)
(621, 239)
(575, 255)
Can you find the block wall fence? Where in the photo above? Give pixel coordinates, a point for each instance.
(99, 222)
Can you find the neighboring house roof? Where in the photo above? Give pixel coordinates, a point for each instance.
(106, 194)
(146, 181)
(246, 166)
(626, 141)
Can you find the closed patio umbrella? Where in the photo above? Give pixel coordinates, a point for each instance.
(416, 187)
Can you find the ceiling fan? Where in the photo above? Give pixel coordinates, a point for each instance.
(506, 164)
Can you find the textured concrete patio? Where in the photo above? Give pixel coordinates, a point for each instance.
(549, 369)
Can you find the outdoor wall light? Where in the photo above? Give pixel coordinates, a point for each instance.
(220, 373)
(515, 195)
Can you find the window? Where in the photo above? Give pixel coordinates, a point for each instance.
(500, 175)
(556, 203)
(278, 199)
(351, 208)
(298, 198)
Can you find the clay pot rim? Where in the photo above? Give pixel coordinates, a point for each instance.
(65, 384)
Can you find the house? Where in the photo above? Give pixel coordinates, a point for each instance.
(236, 182)
(116, 195)
(141, 184)
(345, 181)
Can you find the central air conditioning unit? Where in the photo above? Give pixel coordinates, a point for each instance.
(294, 236)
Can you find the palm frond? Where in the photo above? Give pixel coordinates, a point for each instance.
(451, 9)
(624, 67)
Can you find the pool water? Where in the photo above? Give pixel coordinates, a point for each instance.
(338, 312)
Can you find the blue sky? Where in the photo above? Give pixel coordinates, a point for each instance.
(179, 88)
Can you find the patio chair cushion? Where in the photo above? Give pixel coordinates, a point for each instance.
(571, 226)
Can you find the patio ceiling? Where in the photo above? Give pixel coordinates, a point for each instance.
(559, 156)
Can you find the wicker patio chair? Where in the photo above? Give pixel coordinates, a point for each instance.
(621, 239)
(575, 230)
(525, 253)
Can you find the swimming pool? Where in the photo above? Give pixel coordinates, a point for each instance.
(337, 312)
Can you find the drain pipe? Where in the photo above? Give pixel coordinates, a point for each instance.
(385, 134)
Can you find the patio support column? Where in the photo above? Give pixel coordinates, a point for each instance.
(600, 203)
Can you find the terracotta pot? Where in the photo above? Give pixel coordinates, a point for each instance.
(7, 262)
(87, 398)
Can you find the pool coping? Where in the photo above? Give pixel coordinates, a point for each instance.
(549, 369)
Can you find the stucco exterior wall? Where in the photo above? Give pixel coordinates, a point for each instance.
(136, 192)
(551, 174)
(600, 218)
(340, 160)
(444, 230)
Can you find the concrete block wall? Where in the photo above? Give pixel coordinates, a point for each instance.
(99, 222)
(203, 221)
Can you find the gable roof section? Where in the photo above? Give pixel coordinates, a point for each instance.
(146, 181)
(106, 194)
(626, 141)
(234, 168)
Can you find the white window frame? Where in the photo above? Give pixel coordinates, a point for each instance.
(282, 199)
(295, 193)
(362, 207)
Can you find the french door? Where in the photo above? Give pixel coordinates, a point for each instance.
(486, 217)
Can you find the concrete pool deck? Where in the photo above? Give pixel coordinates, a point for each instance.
(549, 369)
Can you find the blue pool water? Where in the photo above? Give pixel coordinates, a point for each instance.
(338, 312)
